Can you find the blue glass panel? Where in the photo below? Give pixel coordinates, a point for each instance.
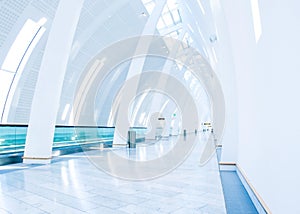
(13, 137)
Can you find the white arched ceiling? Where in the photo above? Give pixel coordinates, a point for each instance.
(114, 21)
(100, 24)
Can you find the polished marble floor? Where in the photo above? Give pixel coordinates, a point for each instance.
(72, 184)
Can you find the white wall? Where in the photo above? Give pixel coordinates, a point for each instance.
(268, 78)
(226, 73)
(206, 23)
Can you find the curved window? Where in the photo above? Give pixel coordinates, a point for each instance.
(16, 60)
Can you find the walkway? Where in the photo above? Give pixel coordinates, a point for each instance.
(72, 184)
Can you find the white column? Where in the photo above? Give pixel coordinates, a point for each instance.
(39, 140)
(157, 100)
(137, 64)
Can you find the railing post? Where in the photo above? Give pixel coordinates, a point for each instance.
(132, 139)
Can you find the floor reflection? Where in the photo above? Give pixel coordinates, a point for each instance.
(72, 184)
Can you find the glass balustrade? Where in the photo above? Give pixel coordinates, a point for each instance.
(13, 137)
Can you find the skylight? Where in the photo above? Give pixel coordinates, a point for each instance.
(201, 6)
(5, 81)
(20, 45)
(16, 60)
(187, 39)
(170, 18)
(256, 19)
(65, 112)
(149, 5)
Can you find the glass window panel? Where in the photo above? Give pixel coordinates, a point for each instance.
(174, 35)
(176, 16)
(150, 6)
(168, 19)
(172, 4)
(165, 10)
(20, 45)
(146, 1)
(5, 81)
(160, 24)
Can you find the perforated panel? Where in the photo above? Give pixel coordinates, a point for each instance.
(47, 7)
(93, 7)
(114, 22)
(12, 14)
(27, 85)
(10, 11)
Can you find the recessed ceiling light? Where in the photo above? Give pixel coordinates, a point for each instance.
(213, 38)
(143, 14)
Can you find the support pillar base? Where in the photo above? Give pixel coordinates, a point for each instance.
(36, 160)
